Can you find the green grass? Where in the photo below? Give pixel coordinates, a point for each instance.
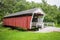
(8, 34)
(58, 25)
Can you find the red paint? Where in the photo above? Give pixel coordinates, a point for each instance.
(21, 22)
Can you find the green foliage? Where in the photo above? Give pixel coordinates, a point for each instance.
(12, 6)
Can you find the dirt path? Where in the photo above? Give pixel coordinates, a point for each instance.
(49, 29)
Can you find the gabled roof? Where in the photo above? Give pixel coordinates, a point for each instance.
(35, 10)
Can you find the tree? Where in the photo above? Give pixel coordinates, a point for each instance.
(12, 6)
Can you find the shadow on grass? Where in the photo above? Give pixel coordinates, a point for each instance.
(12, 28)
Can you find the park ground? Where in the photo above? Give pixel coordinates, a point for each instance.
(9, 34)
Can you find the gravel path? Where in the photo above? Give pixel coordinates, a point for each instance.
(49, 29)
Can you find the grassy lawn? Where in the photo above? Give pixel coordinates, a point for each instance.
(8, 34)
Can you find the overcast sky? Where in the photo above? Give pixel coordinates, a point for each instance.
(52, 2)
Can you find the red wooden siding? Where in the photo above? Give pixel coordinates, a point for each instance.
(22, 22)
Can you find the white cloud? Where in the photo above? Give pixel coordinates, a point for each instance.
(54, 2)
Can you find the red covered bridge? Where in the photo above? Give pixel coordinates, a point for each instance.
(24, 19)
